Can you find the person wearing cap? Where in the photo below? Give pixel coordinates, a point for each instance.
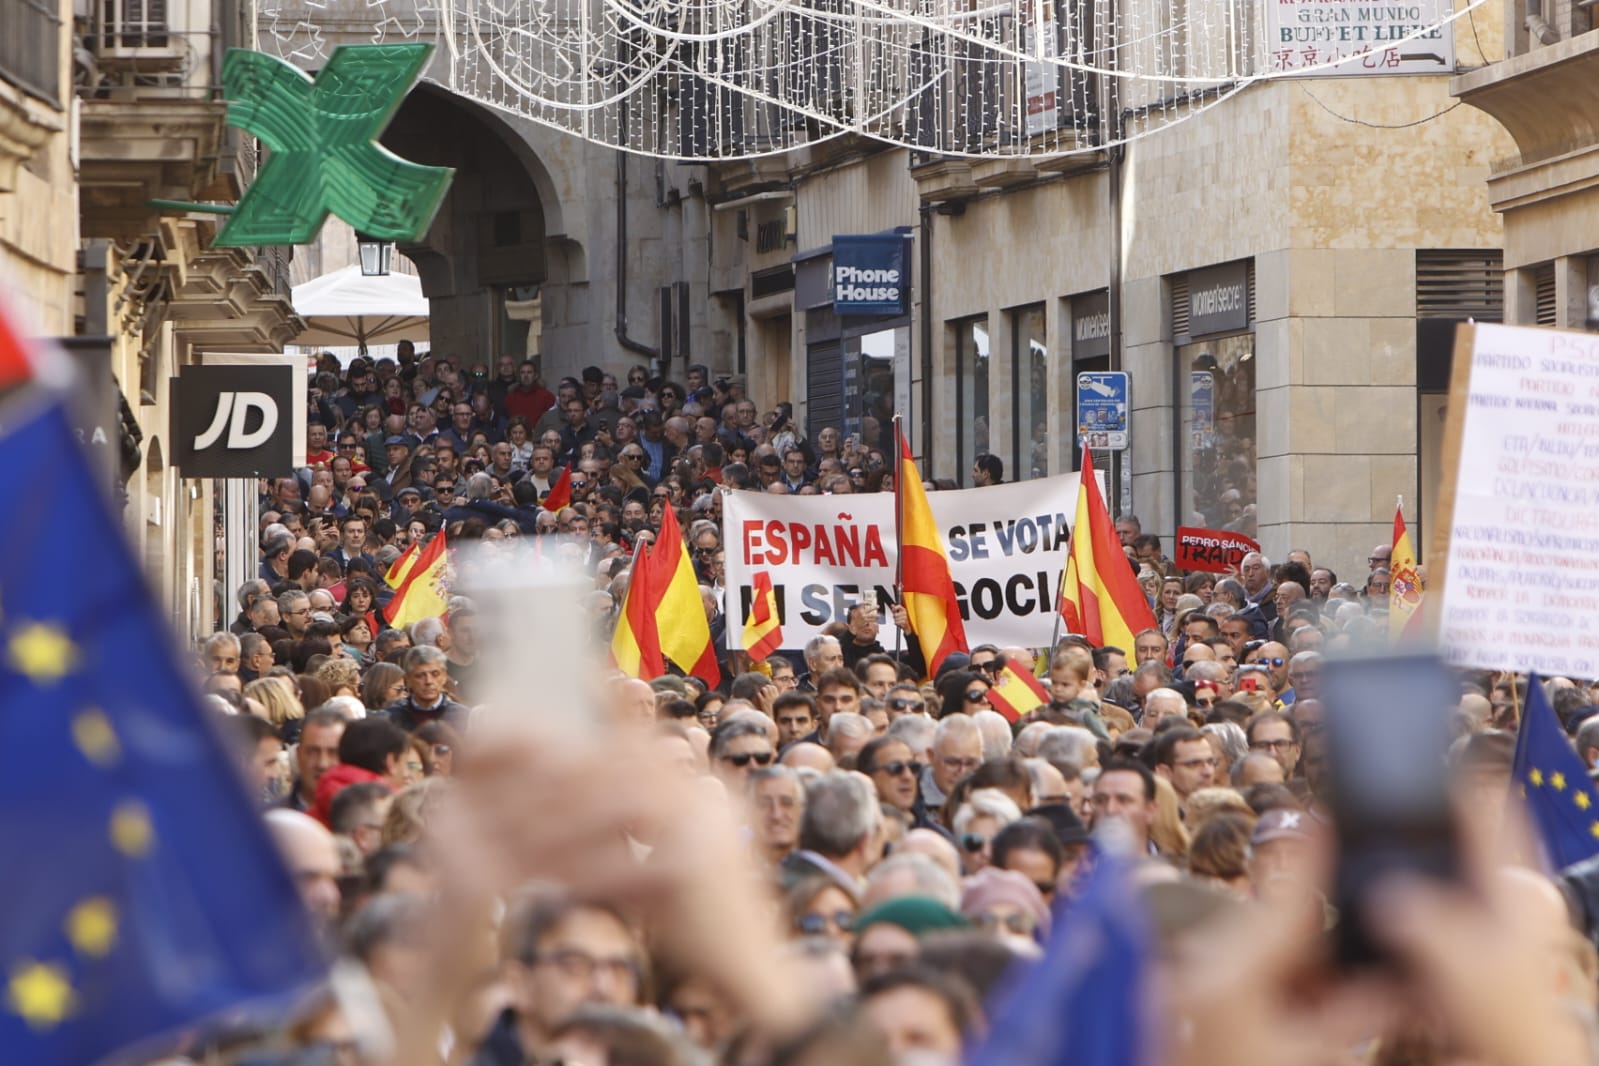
(1279, 848)
(1007, 904)
(397, 450)
(888, 936)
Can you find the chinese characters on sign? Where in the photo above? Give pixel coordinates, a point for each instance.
(1374, 38)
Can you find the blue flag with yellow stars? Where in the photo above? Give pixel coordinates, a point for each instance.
(1555, 784)
(139, 891)
(1086, 1002)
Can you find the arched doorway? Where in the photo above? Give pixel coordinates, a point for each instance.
(488, 245)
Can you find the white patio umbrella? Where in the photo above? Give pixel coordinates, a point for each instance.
(347, 306)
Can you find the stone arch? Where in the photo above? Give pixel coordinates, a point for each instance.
(491, 234)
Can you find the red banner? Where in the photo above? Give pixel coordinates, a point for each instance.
(1214, 551)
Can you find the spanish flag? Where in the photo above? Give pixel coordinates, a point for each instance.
(402, 566)
(926, 587)
(425, 592)
(560, 494)
(1016, 693)
(763, 633)
(678, 610)
(1404, 581)
(635, 644)
(1100, 596)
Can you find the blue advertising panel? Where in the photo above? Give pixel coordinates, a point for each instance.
(1102, 409)
(871, 274)
(1203, 390)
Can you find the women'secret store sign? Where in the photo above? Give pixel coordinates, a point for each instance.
(1007, 549)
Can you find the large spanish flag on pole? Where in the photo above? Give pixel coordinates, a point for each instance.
(926, 587)
(1404, 580)
(763, 633)
(425, 592)
(685, 632)
(635, 643)
(1100, 597)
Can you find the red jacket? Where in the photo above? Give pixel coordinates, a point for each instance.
(530, 403)
(335, 781)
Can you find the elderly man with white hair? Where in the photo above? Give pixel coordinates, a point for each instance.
(821, 655)
(1163, 703)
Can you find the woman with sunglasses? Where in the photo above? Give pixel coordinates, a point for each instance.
(963, 692)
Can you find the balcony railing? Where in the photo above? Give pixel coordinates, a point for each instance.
(30, 47)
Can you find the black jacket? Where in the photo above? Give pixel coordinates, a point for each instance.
(409, 717)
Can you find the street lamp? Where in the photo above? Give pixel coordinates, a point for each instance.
(374, 255)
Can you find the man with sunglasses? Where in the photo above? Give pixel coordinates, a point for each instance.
(1274, 657)
(740, 745)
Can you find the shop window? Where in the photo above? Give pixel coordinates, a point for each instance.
(1030, 404)
(1216, 381)
(971, 391)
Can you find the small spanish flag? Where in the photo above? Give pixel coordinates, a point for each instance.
(1404, 582)
(1016, 693)
(426, 591)
(763, 633)
(402, 566)
(560, 494)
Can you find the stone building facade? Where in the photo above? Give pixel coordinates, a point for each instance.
(1287, 267)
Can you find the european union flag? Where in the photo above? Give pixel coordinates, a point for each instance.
(1556, 785)
(141, 891)
(1085, 1002)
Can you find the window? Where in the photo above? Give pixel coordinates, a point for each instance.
(1213, 318)
(971, 391)
(1217, 385)
(870, 361)
(1029, 384)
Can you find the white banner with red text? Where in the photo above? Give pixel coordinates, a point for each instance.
(1007, 550)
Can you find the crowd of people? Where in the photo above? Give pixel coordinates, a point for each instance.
(832, 856)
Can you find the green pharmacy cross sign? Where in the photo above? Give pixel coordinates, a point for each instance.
(324, 153)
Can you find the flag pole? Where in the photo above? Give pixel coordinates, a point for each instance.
(899, 535)
(1060, 588)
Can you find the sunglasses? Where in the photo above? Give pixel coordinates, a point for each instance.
(815, 924)
(759, 758)
(976, 695)
(973, 842)
(899, 766)
(1275, 661)
(901, 704)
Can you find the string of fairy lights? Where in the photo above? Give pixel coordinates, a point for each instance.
(739, 79)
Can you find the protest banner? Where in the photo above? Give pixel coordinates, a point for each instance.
(1519, 532)
(1006, 543)
(1214, 551)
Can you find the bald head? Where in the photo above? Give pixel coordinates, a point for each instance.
(312, 858)
(930, 843)
(635, 702)
(809, 756)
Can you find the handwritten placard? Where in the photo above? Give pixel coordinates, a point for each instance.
(1522, 571)
(1214, 551)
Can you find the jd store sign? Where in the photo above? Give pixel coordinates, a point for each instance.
(871, 274)
(238, 421)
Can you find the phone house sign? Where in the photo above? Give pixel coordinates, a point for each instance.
(871, 274)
